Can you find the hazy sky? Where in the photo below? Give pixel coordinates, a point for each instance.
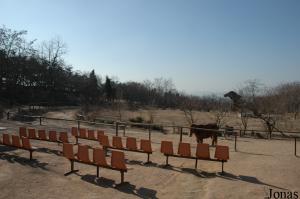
(204, 46)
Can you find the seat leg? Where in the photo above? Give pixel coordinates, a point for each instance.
(222, 167)
(196, 164)
(105, 150)
(72, 169)
(122, 177)
(30, 155)
(148, 158)
(97, 171)
(167, 160)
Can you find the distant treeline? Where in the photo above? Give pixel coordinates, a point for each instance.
(32, 74)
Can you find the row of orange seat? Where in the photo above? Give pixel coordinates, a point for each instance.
(131, 145)
(184, 149)
(53, 136)
(99, 159)
(86, 134)
(17, 142)
(202, 152)
(131, 142)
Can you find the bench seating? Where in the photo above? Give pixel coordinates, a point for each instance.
(131, 145)
(19, 143)
(86, 134)
(202, 152)
(23, 132)
(99, 159)
(62, 137)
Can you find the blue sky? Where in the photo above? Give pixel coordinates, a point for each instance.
(204, 46)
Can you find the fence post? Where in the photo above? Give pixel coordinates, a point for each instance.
(40, 120)
(149, 130)
(235, 137)
(295, 146)
(117, 128)
(181, 134)
(124, 130)
(7, 114)
(173, 128)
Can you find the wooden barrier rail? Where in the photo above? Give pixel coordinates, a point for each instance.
(118, 124)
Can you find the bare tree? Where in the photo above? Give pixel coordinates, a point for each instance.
(163, 85)
(151, 114)
(289, 97)
(270, 111)
(249, 92)
(189, 105)
(220, 117)
(254, 101)
(244, 120)
(53, 50)
(13, 43)
(119, 104)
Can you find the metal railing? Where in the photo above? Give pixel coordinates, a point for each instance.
(122, 124)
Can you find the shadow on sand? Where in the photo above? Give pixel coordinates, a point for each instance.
(4, 148)
(125, 187)
(249, 179)
(20, 160)
(204, 174)
(232, 139)
(249, 153)
(153, 164)
(229, 176)
(49, 151)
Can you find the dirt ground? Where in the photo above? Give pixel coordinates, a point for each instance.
(257, 166)
(177, 117)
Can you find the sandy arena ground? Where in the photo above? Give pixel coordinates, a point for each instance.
(257, 166)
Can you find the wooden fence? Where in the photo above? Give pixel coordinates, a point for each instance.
(123, 125)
